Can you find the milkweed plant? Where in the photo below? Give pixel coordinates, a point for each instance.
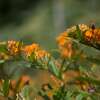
(74, 67)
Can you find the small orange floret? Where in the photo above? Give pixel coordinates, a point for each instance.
(92, 36)
(88, 35)
(61, 40)
(66, 51)
(13, 47)
(41, 53)
(65, 45)
(28, 50)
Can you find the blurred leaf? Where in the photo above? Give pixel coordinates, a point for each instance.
(3, 48)
(2, 61)
(53, 68)
(6, 86)
(79, 97)
(69, 95)
(79, 34)
(26, 92)
(88, 79)
(88, 50)
(82, 95)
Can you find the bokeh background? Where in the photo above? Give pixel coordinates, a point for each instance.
(42, 20)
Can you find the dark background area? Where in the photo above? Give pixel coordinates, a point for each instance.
(11, 10)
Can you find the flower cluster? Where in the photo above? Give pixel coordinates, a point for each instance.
(29, 49)
(36, 50)
(65, 45)
(41, 53)
(14, 47)
(82, 27)
(92, 36)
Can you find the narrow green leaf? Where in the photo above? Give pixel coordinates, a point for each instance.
(54, 69)
(79, 34)
(89, 79)
(69, 96)
(3, 48)
(79, 97)
(6, 86)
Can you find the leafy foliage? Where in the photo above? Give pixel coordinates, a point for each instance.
(74, 72)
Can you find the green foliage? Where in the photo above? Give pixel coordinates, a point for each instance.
(5, 87)
(72, 77)
(53, 68)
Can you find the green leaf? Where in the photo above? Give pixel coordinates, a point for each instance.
(79, 34)
(89, 79)
(69, 95)
(54, 69)
(26, 92)
(3, 48)
(79, 97)
(6, 86)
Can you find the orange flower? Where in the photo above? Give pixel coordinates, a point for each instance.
(73, 29)
(61, 40)
(28, 50)
(65, 45)
(97, 35)
(88, 35)
(66, 51)
(92, 36)
(41, 53)
(13, 47)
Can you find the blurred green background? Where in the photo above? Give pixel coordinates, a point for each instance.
(42, 20)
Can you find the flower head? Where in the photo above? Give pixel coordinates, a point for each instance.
(65, 45)
(92, 36)
(13, 47)
(41, 54)
(82, 27)
(29, 49)
(61, 39)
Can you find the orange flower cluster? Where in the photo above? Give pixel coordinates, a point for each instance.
(13, 47)
(29, 49)
(36, 49)
(65, 45)
(61, 39)
(82, 27)
(42, 53)
(92, 36)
